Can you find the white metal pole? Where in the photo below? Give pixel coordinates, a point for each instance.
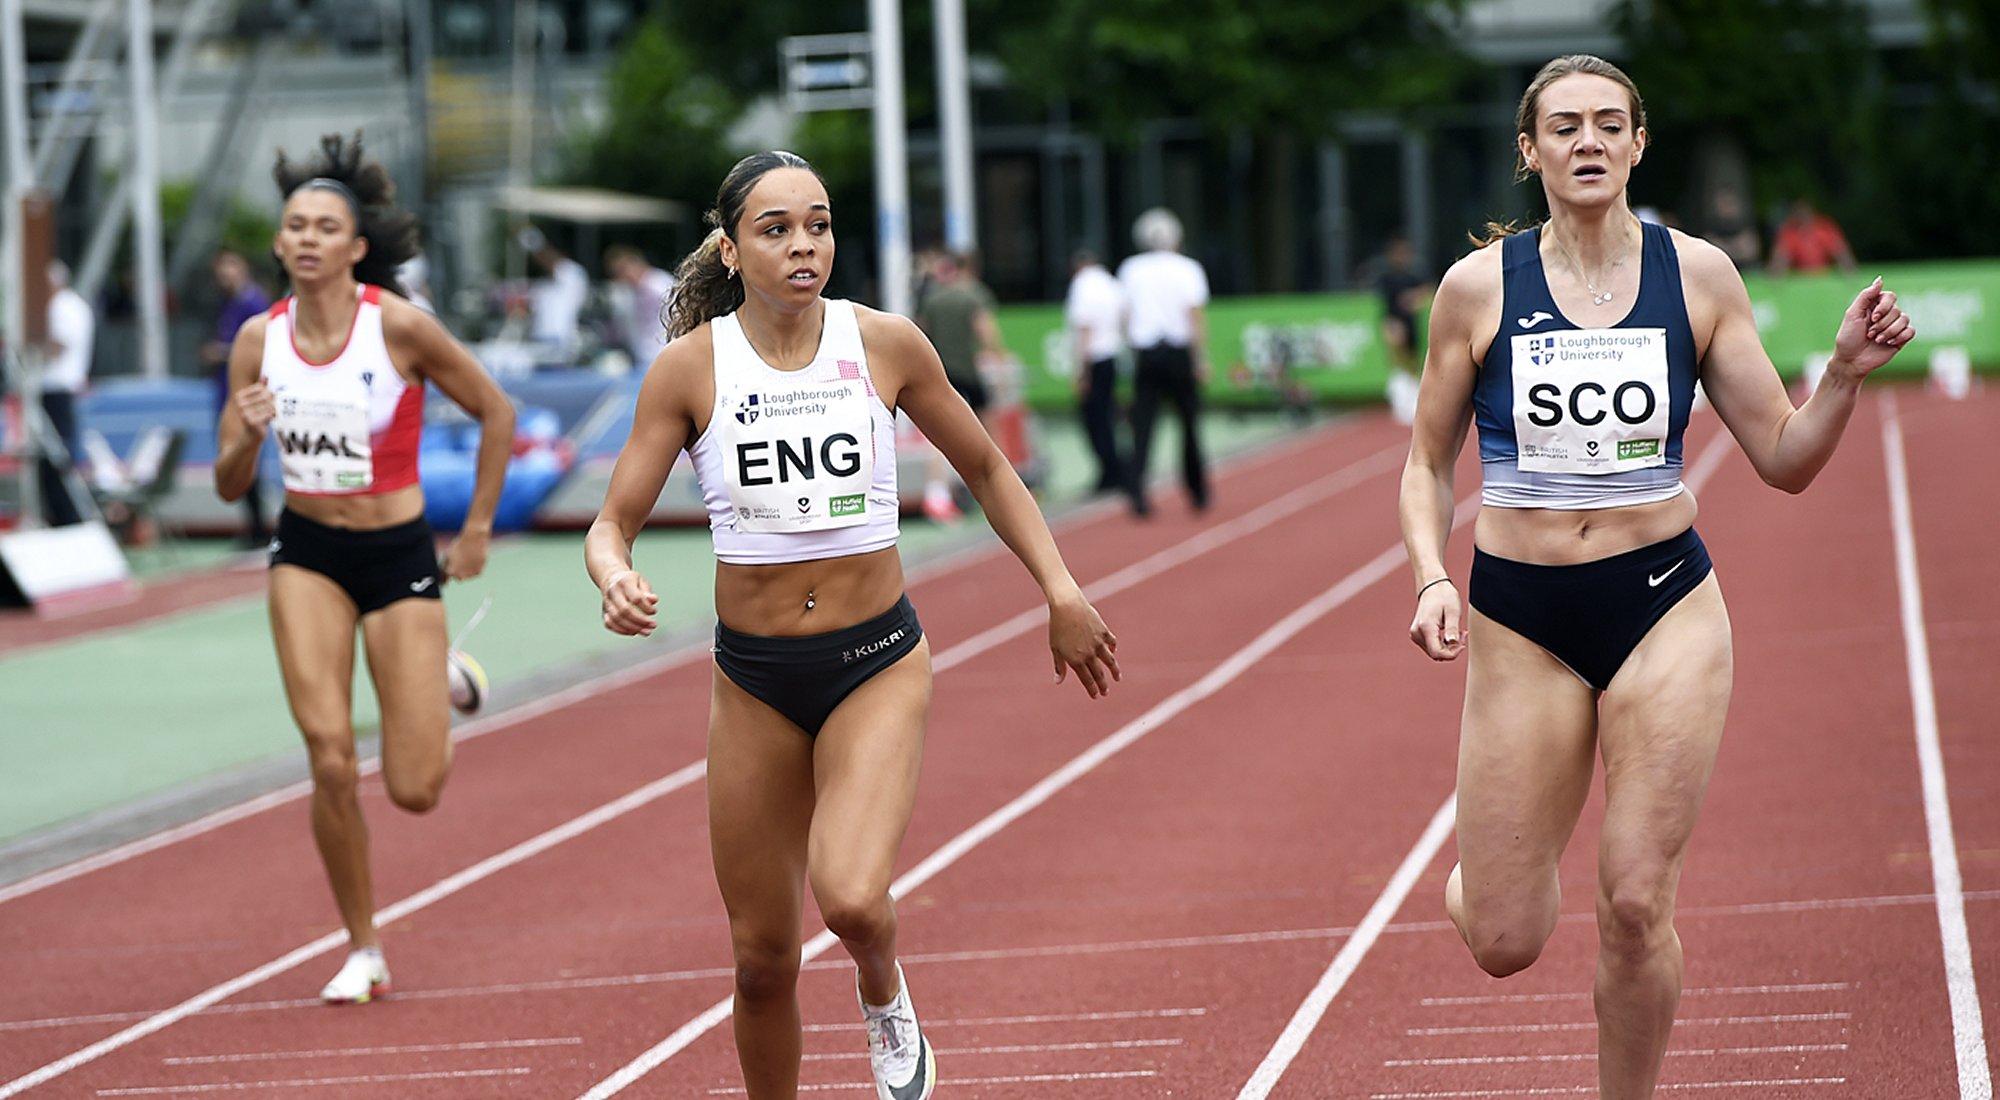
(151, 276)
(961, 230)
(521, 141)
(892, 170)
(14, 77)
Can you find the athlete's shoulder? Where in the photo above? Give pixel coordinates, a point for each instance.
(1701, 259)
(886, 332)
(254, 328)
(1473, 279)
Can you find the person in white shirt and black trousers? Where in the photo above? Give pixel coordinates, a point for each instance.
(1094, 311)
(1165, 296)
(66, 374)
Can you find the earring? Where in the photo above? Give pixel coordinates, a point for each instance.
(732, 273)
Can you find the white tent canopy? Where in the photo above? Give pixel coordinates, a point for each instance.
(590, 205)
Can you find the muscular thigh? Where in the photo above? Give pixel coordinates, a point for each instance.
(760, 803)
(1661, 728)
(1525, 757)
(406, 644)
(312, 624)
(865, 767)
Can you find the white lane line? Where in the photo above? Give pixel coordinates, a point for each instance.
(1588, 1025)
(1521, 1059)
(1699, 991)
(429, 896)
(1203, 541)
(1026, 1048)
(1975, 1077)
(1346, 477)
(1223, 674)
(317, 1082)
(371, 1052)
(1016, 1079)
(1041, 1018)
(1300, 1028)
(1591, 1090)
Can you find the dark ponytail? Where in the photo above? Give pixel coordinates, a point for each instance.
(704, 287)
(370, 195)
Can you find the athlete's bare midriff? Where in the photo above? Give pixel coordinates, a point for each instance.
(361, 511)
(793, 599)
(1547, 536)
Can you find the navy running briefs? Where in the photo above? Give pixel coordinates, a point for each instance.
(805, 678)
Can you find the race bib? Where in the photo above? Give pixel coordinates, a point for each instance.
(1592, 401)
(798, 459)
(323, 444)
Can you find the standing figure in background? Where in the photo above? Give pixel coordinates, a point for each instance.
(556, 302)
(65, 375)
(1166, 324)
(642, 316)
(1733, 230)
(242, 299)
(337, 374)
(1403, 291)
(957, 314)
(1808, 241)
(1094, 310)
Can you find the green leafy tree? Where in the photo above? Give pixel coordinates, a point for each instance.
(670, 117)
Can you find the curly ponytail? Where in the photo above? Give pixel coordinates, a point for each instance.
(705, 288)
(371, 195)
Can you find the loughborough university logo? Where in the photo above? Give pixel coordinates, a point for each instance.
(746, 410)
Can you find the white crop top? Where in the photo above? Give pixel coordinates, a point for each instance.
(797, 465)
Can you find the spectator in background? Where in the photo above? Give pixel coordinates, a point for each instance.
(65, 375)
(642, 325)
(554, 303)
(1403, 290)
(1166, 295)
(1808, 241)
(957, 314)
(242, 299)
(1733, 230)
(1094, 310)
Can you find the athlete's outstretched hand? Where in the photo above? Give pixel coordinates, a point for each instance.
(466, 557)
(1873, 330)
(630, 607)
(1439, 628)
(1078, 639)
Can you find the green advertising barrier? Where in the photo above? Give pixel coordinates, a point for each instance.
(1328, 347)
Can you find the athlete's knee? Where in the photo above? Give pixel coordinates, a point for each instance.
(766, 971)
(335, 770)
(416, 793)
(1506, 952)
(1635, 915)
(858, 911)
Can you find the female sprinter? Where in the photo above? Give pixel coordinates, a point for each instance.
(785, 401)
(1576, 347)
(337, 371)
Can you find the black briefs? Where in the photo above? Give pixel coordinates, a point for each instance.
(806, 677)
(375, 568)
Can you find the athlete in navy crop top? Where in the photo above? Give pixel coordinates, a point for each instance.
(1600, 626)
(823, 676)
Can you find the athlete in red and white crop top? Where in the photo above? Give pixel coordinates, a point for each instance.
(349, 425)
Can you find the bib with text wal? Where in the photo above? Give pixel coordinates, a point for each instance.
(323, 442)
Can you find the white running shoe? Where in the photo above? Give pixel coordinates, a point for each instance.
(361, 978)
(905, 1068)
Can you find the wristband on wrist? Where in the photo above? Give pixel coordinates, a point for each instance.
(1428, 584)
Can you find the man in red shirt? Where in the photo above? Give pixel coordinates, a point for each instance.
(1808, 241)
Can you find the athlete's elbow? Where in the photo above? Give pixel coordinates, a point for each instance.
(1793, 482)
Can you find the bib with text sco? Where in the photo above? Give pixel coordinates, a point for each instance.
(1591, 401)
(323, 442)
(798, 459)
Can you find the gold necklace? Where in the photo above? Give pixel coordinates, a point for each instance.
(1597, 298)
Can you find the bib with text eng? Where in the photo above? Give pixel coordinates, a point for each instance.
(800, 458)
(1591, 401)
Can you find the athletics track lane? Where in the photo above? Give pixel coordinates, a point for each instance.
(509, 786)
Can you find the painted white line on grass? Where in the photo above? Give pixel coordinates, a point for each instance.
(1200, 543)
(318, 1082)
(1975, 1077)
(370, 1052)
(1223, 674)
(437, 892)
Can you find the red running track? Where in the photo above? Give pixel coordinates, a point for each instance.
(1131, 898)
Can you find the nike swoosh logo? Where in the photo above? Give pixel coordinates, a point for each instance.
(419, 586)
(1537, 318)
(1654, 582)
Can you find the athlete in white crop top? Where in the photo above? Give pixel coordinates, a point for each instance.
(822, 674)
(337, 372)
(1601, 629)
